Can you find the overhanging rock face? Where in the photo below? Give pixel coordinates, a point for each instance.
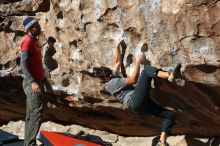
(196, 105)
(180, 31)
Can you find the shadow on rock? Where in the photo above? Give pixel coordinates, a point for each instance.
(89, 137)
(155, 140)
(214, 141)
(192, 141)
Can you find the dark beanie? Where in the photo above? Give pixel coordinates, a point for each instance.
(29, 21)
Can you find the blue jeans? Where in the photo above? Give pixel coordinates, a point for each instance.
(142, 104)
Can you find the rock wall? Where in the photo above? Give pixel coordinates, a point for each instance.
(183, 31)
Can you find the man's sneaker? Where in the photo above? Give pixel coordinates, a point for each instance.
(174, 71)
(162, 144)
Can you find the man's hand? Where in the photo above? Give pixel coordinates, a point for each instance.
(35, 87)
(48, 86)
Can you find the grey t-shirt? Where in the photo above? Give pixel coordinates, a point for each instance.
(117, 87)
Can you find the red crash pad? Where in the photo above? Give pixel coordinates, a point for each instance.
(58, 139)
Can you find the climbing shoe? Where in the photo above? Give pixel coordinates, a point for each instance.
(162, 144)
(173, 72)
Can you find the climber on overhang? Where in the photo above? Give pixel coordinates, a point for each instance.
(138, 98)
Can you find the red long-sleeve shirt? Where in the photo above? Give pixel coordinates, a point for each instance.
(31, 59)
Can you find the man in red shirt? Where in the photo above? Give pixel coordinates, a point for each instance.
(34, 79)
